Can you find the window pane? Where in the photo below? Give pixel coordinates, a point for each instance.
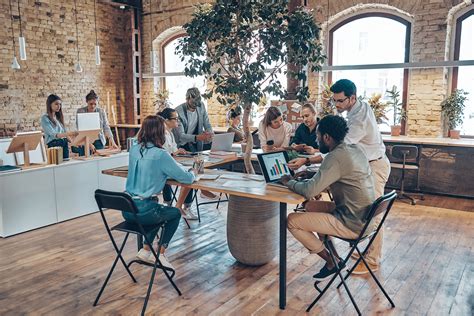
(365, 41)
(178, 85)
(466, 74)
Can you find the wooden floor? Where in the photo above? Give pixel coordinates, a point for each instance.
(428, 269)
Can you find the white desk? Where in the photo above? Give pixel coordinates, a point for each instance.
(50, 194)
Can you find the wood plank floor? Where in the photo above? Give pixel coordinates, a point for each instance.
(428, 269)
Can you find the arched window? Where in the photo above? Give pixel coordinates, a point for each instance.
(177, 85)
(372, 38)
(463, 77)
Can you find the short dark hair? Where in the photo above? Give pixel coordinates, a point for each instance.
(346, 86)
(152, 131)
(166, 113)
(334, 126)
(233, 113)
(272, 113)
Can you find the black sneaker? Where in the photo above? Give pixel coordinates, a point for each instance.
(325, 273)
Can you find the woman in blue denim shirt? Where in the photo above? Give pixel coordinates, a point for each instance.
(149, 167)
(52, 123)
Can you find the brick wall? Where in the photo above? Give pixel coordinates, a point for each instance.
(427, 87)
(49, 29)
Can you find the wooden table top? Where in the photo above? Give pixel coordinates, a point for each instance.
(232, 183)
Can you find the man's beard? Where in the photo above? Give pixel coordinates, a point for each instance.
(323, 148)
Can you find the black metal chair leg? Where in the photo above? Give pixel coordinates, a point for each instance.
(218, 202)
(378, 283)
(150, 285)
(119, 255)
(338, 272)
(321, 292)
(197, 206)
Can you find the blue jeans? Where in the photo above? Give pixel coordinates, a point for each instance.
(168, 195)
(60, 142)
(152, 213)
(80, 150)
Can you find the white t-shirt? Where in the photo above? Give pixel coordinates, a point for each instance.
(170, 143)
(192, 121)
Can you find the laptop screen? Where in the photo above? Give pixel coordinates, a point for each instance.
(274, 165)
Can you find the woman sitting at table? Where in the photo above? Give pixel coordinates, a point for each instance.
(273, 132)
(52, 124)
(305, 134)
(149, 166)
(235, 117)
(92, 99)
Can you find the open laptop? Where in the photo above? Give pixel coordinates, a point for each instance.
(222, 142)
(274, 165)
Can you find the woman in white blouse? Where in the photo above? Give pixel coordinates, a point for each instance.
(273, 132)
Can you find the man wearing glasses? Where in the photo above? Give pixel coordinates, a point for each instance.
(364, 131)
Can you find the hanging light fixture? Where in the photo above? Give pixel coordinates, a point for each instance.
(15, 65)
(21, 39)
(97, 47)
(77, 66)
(152, 52)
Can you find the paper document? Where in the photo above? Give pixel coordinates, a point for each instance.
(88, 121)
(207, 177)
(242, 184)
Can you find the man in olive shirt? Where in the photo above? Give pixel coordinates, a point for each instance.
(346, 171)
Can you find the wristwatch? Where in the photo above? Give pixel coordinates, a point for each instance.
(308, 162)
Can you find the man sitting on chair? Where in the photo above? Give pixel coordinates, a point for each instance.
(347, 172)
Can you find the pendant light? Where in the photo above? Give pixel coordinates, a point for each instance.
(15, 65)
(77, 66)
(21, 39)
(97, 47)
(152, 52)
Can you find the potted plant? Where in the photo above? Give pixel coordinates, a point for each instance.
(161, 100)
(453, 111)
(399, 113)
(234, 43)
(379, 108)
(326, 107)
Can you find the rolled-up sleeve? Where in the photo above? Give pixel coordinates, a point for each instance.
(328, 173)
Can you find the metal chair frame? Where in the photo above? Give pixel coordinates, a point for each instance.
(381, 206)
(121, 201)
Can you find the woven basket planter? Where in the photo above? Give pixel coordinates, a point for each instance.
(252, 230)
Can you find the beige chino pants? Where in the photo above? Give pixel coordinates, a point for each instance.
(380, 173)
(317, 219)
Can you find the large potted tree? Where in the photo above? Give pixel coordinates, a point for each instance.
(453, 111)
(241, 46)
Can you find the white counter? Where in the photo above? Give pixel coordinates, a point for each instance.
(50, 194)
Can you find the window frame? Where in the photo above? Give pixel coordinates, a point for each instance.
(457, 52)
(406, 57)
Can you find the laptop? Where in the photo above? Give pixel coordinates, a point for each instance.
(88, 121)
(274, 165)
(222, 142)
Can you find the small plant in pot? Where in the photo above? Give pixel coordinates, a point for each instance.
(453, 111)
(399, 113)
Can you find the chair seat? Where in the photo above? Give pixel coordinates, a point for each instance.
(400, 166)
(132, 228)
(350, 240)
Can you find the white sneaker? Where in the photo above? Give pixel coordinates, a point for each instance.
(164, 261)
(188, 213)
(168, 203)
(144, 254)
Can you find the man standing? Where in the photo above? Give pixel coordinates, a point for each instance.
(364, 131)
(346, 171)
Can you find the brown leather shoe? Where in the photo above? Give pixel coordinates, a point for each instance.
(362, 269)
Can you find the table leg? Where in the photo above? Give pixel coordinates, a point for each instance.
(282, 255)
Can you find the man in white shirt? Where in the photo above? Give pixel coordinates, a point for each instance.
(364, 131)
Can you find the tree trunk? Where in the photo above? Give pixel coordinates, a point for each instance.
(249, 140)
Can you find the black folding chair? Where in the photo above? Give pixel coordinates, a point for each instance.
(410, 158)
(123, 202)
(381, 206)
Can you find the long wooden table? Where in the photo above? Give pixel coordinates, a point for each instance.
(250, 188)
